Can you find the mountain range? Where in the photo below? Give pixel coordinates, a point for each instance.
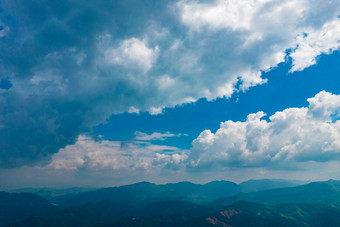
(218, 203)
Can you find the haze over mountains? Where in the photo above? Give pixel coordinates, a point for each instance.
(218, 203)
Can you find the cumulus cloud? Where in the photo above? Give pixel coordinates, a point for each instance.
(290, 137)
(282, 24)
(87, 153)
(315, 42)
(73, 64)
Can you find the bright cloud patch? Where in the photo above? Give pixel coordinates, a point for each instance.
(116, 155)
(154, 136)
(314, 43)
(221, 14)
(71, 69)
(133, 52)
(280, 24)
(293, 135)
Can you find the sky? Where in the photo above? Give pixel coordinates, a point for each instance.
(107, 93)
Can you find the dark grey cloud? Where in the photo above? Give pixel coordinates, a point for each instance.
(49, 55)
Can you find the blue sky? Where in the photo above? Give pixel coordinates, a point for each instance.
(116, 92)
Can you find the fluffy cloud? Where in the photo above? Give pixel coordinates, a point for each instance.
(281, 25)
(87, 153)
(290, 137)
(314, 43)
(236, 15)
(73, 64)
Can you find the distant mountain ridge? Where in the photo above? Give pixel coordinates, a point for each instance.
(146, 192)
(52, 192)
(265, 184)
(315, 192)
(218, 203)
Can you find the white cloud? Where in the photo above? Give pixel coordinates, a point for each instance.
(315, 42)
(294, 135)
(165, 82)
(156, 110)
(133, 110)
(133, 51)
(233, 14)
(154, 136)
(310, 28)
(324, 106)
(86, 153)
